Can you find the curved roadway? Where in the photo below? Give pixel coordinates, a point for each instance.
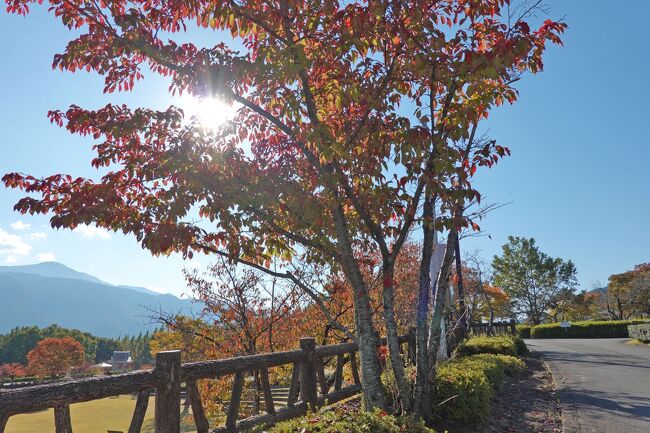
(604, 384)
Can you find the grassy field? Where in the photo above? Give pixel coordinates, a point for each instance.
(96, 416)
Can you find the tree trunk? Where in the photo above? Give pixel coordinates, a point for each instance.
(396, 362)
(421, 363)
(439, 288)
(373, 391)
(462, 316)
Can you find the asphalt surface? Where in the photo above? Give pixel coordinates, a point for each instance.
(604, 384)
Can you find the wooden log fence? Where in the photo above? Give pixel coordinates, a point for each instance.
(309, 388)
(497, 328)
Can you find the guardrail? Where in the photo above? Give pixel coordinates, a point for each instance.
(309, 388)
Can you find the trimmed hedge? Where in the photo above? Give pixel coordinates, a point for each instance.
(523, 331)
(520, 344)
(590, 329)
(464, 386)
(640, 332)
(499, 345)
(342, 419)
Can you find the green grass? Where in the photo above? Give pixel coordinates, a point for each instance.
(95, 416)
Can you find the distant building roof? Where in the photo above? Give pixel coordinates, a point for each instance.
(121, 356)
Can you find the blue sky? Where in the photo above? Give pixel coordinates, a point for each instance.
(577, 178)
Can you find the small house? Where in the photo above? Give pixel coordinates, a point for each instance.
(121, 360)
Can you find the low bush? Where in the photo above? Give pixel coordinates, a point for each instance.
(523, 331)
(341, 419)
(590, 329)
(465, 386)
(462, 394)
(495, 367)
(520, 345)
(499, 345)
(640, 332)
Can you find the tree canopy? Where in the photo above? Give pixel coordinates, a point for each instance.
(55, 356)
(532, 278)
(355, 121)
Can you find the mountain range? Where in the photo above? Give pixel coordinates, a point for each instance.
(52, 293)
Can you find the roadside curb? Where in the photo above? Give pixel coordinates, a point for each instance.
(570, 420)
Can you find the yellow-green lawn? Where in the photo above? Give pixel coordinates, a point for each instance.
(96, 416)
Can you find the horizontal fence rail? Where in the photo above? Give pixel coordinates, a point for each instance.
(309, 387)
(495, 328)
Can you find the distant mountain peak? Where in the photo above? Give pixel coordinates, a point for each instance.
(59, 270)
(51, 269)
(51, 292)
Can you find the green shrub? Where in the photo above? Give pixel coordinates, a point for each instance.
(640, 332)
(495, 367)
(388, 379)
(341, 419)
(523, 331)
(590, 329)
(465, 386)
(520, 345)
(462, 394)
(500, 345)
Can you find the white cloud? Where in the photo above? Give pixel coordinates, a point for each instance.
(10, 260)
(37, 235)
(45, 257)
(92, 231)
(13, 245)
(19, 225)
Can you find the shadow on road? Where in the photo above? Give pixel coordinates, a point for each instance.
(592, 358)
(614, 402)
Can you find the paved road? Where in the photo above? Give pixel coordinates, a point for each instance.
(604, 384)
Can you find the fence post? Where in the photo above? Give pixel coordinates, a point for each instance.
(167, 417)
(62, 423)
(308, 391)
(3, 422)
(513, 327)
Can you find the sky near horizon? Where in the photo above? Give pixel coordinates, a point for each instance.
(577, 180)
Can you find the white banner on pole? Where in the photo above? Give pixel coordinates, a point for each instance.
(434, 270)
(436, 261)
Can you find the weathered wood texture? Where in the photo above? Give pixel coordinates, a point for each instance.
(235, 401)
(294, 387)
(200, 420)
(497, 328)
(266, 389)
(167, 418)
(41, 397)
(210, 369)
(166, 378)
(320, 375)
(355, 369)
(338, 374)
(288, 412)
(265, 419)
(308, 390)
(62, 422)
(138, 413)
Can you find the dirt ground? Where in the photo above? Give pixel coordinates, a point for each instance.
(527, 403)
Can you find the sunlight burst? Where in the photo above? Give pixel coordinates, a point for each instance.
(211, 113)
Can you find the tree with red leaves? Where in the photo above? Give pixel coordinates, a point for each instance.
(12, 370)
(54, 357)
(357, 116)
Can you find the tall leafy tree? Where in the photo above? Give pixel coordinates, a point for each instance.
(356, 118)
(55, 356)
(628, 293)
(531, 278)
